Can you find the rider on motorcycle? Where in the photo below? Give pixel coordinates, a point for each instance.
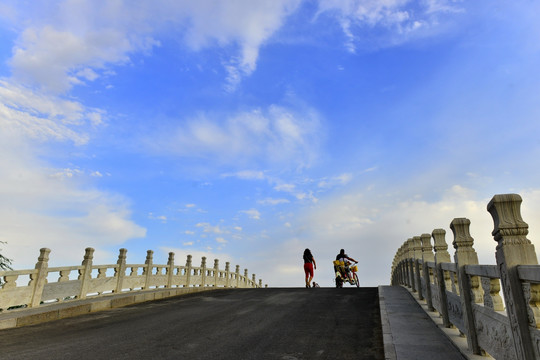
(344, 257)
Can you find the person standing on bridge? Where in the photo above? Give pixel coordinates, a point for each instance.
(309, 265)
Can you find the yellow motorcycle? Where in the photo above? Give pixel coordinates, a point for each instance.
(346, 273)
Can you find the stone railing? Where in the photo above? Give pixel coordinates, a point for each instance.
(467, 295)
(45, 284)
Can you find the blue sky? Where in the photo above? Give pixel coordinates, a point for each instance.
(249, 130)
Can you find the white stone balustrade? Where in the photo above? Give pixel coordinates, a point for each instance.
(467, 295)
(89, 280)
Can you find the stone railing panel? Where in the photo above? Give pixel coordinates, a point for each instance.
(468, 296)
(56, 284)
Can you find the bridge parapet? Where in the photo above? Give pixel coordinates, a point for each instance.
(47, 285)
(467, 294)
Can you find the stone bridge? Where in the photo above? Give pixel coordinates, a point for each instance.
(434, 308)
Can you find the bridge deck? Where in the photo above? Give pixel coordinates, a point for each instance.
(241, 324)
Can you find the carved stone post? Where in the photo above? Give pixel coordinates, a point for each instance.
(85, 275)
(260, 283)
(466, 255)
(228, 274)
(148, 268)
(216, 272)
(441, 256)
(120, 270)
(170, 270)
(237, 274)
(417, 243)
(427, 255)
(188, 271)
(245, 279)
(513, 249)
(40, 279)
(253, 281)
(203, 272)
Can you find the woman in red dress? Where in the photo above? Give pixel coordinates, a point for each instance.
(309, 265)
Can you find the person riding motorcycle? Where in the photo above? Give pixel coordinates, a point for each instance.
(345, 258)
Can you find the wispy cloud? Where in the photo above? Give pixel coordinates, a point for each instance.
(207, 228)
(252, 213)
(272, 201)
(335, 180)
(247, 175)
(397, 21)
(276, 135)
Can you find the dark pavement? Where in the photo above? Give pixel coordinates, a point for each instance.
(287, 324)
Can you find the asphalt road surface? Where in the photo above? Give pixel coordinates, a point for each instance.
(287, 323)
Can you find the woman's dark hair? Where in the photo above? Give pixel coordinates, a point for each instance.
(307, 252)
(342, 251)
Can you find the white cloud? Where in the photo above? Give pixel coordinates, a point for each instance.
(252, 213)
(189, 243)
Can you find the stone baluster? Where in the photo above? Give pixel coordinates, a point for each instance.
(260, 283)
(253, 281)
(237, 274)
(404, 278)
(245, 279)
(492, 299)
(468, 289)
(396, 277)
(410, 263)
(188, 271)
(39, 279)
(406, 265)
(427, 255)
(85, 274)
(216, 272)
(120, 270)
(443, 278)
(170, 270)
(513, 249)
(417, 246)
(149, 265)
(203, 272)
(228, 274)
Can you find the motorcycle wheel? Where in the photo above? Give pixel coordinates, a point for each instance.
(356, 280)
